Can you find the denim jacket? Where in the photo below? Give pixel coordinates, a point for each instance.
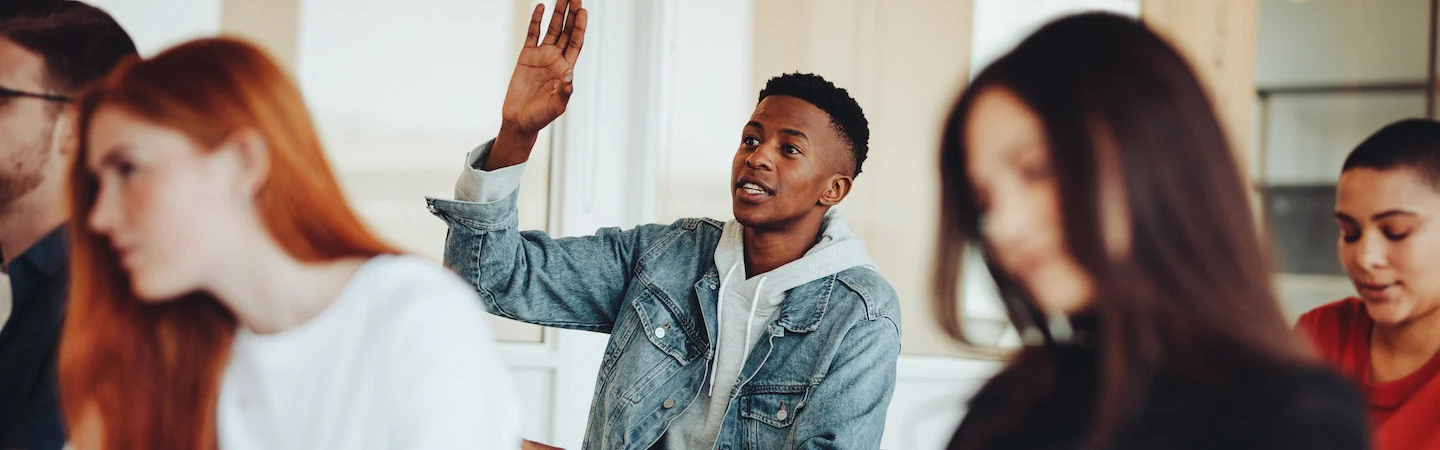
(821, 378)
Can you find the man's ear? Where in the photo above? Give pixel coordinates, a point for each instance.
(66, 137)
(837, 190)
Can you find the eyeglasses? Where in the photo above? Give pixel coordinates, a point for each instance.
(11, 93)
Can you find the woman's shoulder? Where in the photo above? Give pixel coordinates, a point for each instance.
(1339, 312)
(1263, 405)
(411, 287)
(1314, 407)
(1327, 325)
(407, 273)
(1307, 384)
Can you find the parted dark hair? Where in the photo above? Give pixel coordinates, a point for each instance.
(79, 43)
(1192, 301)
(845, 113)
(1408, 144)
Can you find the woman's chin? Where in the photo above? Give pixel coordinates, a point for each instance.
(1388, 313)
(154, 291)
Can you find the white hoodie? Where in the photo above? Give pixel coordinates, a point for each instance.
(746, 308)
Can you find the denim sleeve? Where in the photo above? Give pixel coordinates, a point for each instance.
(575, 283)
(847, 409)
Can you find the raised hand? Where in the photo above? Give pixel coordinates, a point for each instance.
(542, 83)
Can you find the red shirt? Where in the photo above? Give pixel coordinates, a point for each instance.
(1404, 412)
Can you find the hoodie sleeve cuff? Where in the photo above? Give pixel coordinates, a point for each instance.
(480, 186)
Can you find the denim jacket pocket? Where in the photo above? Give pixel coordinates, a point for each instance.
(658, 357)
(662, 328)
(776, 406)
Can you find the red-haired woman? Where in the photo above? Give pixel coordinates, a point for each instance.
(223, 293)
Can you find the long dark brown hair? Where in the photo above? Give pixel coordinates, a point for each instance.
(1194, 296)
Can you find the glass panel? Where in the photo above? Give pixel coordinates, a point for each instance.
(1329, 73)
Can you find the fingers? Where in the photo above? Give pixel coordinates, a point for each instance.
(577, 37)
(557, 20)
(532, 37)
(569, 26)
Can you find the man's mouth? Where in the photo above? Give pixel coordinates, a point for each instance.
(752, 190)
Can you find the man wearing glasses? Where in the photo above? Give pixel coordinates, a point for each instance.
(49, 50)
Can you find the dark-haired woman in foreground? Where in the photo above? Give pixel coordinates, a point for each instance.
(1388, 339)
(1089, 168)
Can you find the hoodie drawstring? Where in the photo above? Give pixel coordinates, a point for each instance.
(719, 317)
(754, 300)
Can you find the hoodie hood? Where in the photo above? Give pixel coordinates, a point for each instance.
(837, 250)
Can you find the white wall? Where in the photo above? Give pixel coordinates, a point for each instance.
(157, 24)
(382, 75)
(707, 100)
(400, 91)
(1000, 24)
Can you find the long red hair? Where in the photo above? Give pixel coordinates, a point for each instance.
(149, 374)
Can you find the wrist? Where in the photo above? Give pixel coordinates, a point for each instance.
(512, 132)
(512, 146)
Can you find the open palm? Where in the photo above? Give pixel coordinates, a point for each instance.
(541, 85)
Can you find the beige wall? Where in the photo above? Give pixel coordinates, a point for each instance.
(1220, 37)
(905, 62)
(271, 23)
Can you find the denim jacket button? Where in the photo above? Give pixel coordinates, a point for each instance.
(669, 403)
(659, 333)
(781, 415)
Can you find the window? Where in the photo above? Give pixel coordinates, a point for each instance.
(1329, 73)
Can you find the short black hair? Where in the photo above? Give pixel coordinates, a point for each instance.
(845, 113)
(79, 43)
(1409, 143)
(14, 8)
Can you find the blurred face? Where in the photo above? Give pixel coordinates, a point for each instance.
(169, 208)
(1390, 242)
(29, 138)
(1009, 164)
(791, 163)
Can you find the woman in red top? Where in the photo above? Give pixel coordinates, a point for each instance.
(1388, 339)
